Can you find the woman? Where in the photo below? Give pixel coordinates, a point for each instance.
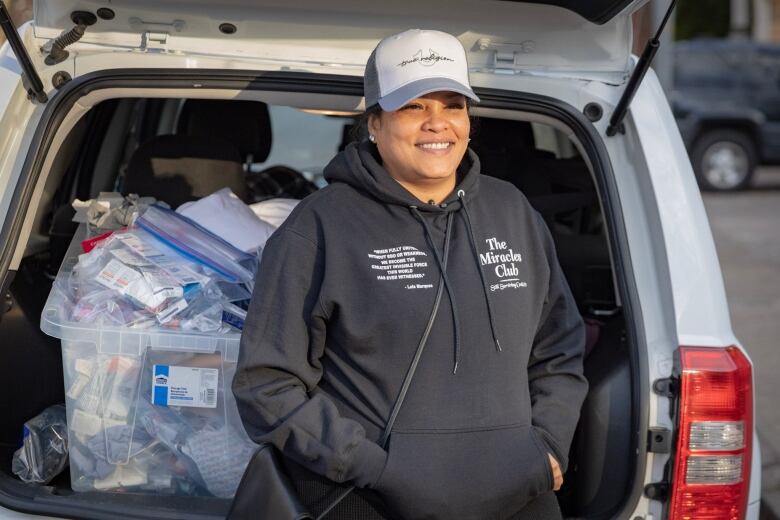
(348, 285)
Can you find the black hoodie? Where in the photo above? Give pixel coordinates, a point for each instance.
(345, 290)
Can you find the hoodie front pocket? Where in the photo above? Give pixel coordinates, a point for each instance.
(464, 474)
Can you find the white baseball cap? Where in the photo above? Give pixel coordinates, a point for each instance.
(414, 63)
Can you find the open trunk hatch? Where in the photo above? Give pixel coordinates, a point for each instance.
(589, 40)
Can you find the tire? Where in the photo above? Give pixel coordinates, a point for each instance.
(724, 160)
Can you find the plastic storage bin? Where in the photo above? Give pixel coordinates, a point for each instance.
(148, 410)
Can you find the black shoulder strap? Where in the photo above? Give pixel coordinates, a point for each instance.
(412, 368)
(409, 373)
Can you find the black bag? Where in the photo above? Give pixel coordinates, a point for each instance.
(274, 487)
(266, 491)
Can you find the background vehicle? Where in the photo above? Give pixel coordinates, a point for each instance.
(726, 99)
(625, 211)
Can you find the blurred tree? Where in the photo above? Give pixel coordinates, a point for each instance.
(699, 18)
(20, 11)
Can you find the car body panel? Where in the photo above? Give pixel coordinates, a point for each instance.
(502, 37)
(700, 305)
(729, 84)
(8, 514)
(18, 118)
(770, 144)
(701, 310)
(692, 121)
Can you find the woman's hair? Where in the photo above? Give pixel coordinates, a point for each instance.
(359, 131)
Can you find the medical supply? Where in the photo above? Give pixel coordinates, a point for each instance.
(44, 451)
(198, 244)
(148, 360)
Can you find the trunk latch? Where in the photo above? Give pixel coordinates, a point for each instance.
(155, 40)
(155, 34)
(505, 55)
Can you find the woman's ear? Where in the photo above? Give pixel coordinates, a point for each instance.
(374, 124)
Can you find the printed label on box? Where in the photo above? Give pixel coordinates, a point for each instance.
(184, 386)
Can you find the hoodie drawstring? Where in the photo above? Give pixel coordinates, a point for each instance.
(442, 263)
(462, 198)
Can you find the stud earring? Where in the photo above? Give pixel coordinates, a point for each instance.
(372, 138)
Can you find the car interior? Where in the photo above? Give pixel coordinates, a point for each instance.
(179, 150)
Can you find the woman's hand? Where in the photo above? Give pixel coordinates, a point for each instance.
(557, 475)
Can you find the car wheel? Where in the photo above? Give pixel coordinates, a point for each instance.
(724, 160)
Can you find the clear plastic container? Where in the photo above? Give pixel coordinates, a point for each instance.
(149, 410)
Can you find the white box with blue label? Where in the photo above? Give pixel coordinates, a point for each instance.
(150, 410)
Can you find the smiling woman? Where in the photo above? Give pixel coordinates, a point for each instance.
(350, 292)
(423, 142)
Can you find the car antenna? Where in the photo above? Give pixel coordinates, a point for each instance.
(30, 78)
(642, 64)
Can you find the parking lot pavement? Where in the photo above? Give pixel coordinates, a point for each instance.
(746, 228)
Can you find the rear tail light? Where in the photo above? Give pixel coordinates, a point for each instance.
(717, 435)
(711, 476)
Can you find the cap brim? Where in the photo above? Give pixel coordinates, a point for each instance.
(398, 98)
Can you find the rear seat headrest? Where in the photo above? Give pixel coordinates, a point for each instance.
(180, 168)
(504, 133)
(244, 123)
(502, 145)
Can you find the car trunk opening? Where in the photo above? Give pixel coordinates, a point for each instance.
(517, 146)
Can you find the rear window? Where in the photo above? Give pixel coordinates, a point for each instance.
(305, 140)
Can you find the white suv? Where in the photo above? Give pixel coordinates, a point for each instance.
(667, 430)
